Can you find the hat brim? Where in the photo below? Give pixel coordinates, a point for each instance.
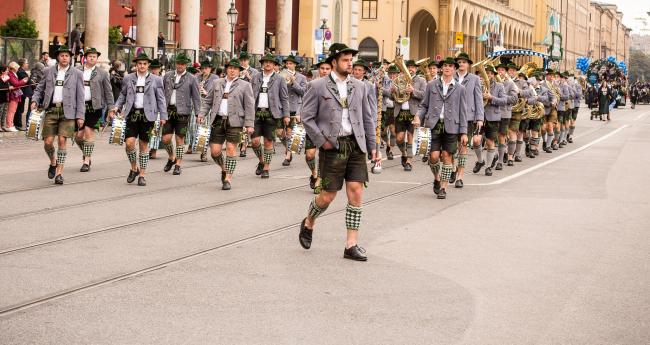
(441, 63)
(64, 51)
(92, 52)
(270, 60)
(182, 62)
(344, 51)
(229, 65)
(469, 61)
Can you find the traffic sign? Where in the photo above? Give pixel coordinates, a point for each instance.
(460, 39)
(438, 58)
(328, 34)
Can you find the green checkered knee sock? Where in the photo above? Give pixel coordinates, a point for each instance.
(258, 151)
(144, 160)
(353, 217)
(435, 168)
(462, 160)
(60, 156)
(268, 154)
(218, 159)
(88, 147)
(445, 174)
(180, 150)
(170, 149)
(49, 151)
(231, 164)
(311, 164)
(315, 210)
(131, 155)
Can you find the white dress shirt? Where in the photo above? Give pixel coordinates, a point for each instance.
(172, 99)
(223, 107)
(445, 88)
(139, 97)
(461, 77)
(342, 86)
(58, 90)
(87, 73)
(263, 101)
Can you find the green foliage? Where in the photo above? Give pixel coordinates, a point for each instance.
(19, 26)
(639, 66)
(114, 35)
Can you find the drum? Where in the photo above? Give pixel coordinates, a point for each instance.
(156, 136)
(297, 140)
(118, 129)
(422, 141)
(202, 137)
(35, 127)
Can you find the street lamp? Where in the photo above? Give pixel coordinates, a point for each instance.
(324, 28)
(398, 50)
(131, 15)
(209, 22)
(232, 20)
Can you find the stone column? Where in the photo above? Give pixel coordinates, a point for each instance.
(223, 27)
(97, 28)
(256, 26)
(190, 22)
(283, 42)
(442, 36)
(148, 16)
(39, 11)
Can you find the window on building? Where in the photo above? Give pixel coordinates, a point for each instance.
(79, 12)
(369, 9)
(369, 50)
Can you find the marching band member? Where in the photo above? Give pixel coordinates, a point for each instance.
(546, 98)
(337, 117)
(433, 71)
(247, 74)
(444, 111)
(550, 119)
(61, 94)
(497, 98)
(518, 127)
(562, 109)
(156, 69)
(296, 85)
(389, 111)
(206, 81)
(97, 95)
(142, 98)
(404, 119)
(577, 97)
(359, 70)
(182, 95)
(232, 105)
(475, 115)
(512, 97)
(272, 107)
(565, 120)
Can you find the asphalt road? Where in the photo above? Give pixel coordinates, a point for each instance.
(555, 250)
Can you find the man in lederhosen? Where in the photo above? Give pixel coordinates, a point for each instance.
(206, 80)
(97, 95)
(247, 74)
(142, 98)
(550, 112)
(515, 130)
(444, 111)
(272, 107)
(565, 123)
(534, 125)
(156, 69)
(359, 70)
(407, 111)
(512, 97)
(232, 106)
(182, 95)
(324, 68)
(389, 111)
(61, 94)
(297, 84)
(577, 97)
(475, 115)
(338, 119)
(496, 100)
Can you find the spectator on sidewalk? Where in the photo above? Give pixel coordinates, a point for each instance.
(15, 95)
(4, 92)
(74, 39)
(28, 91)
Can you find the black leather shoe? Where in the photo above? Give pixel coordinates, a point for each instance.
(355, 253)
(51, 171)
(85, 168)
(204, 157)
(452, 177)
(488, 171)
(505, 159)
(425, 159)
(223, 176)
(494, 161)
(478, 166)
(169, 165)
(408, 167)
(570, 140)
(548, 150)
(459, 184)
(312, 182)
(286, 162)
(403, 161)
(511, 162)
(132, 176)
(389, 155)
(499, 166)
(259, 169)
(142, 181)
(562, 144)
(265, 174)
(305, 235)
(518, 159)
(226, 185)
(436, 187)
(177, 170)
(536, 152)
(442, 194)
(58, 179)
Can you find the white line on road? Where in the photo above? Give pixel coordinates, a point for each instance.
(550, 161)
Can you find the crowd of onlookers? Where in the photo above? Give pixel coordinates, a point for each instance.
(16, 89)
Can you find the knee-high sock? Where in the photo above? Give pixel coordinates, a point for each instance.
(478, 150)
(268, 155)
(402, 148)
(549, 139)
(572, 129)
(409, 150)
(556, 133)
(490, 155)
(88, 147)
(462, 160)
(258, 151)
(180, 150)
(60, 156)
(502, 151)
(353, 217)
(512, 147)
(144, 159)
(518, 146)
(314, 210)
(445, 173)
(131, 155)
(231, 164)
(435, 168)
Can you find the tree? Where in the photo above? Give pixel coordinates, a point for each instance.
(639, 66)
(114, 35)
(19, 26)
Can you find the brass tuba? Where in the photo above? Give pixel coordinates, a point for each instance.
(403, 81)
(424, 68)
(486, 80)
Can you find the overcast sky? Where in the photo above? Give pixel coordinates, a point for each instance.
(633, 10)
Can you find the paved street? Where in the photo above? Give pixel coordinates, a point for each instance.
(555, 250)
